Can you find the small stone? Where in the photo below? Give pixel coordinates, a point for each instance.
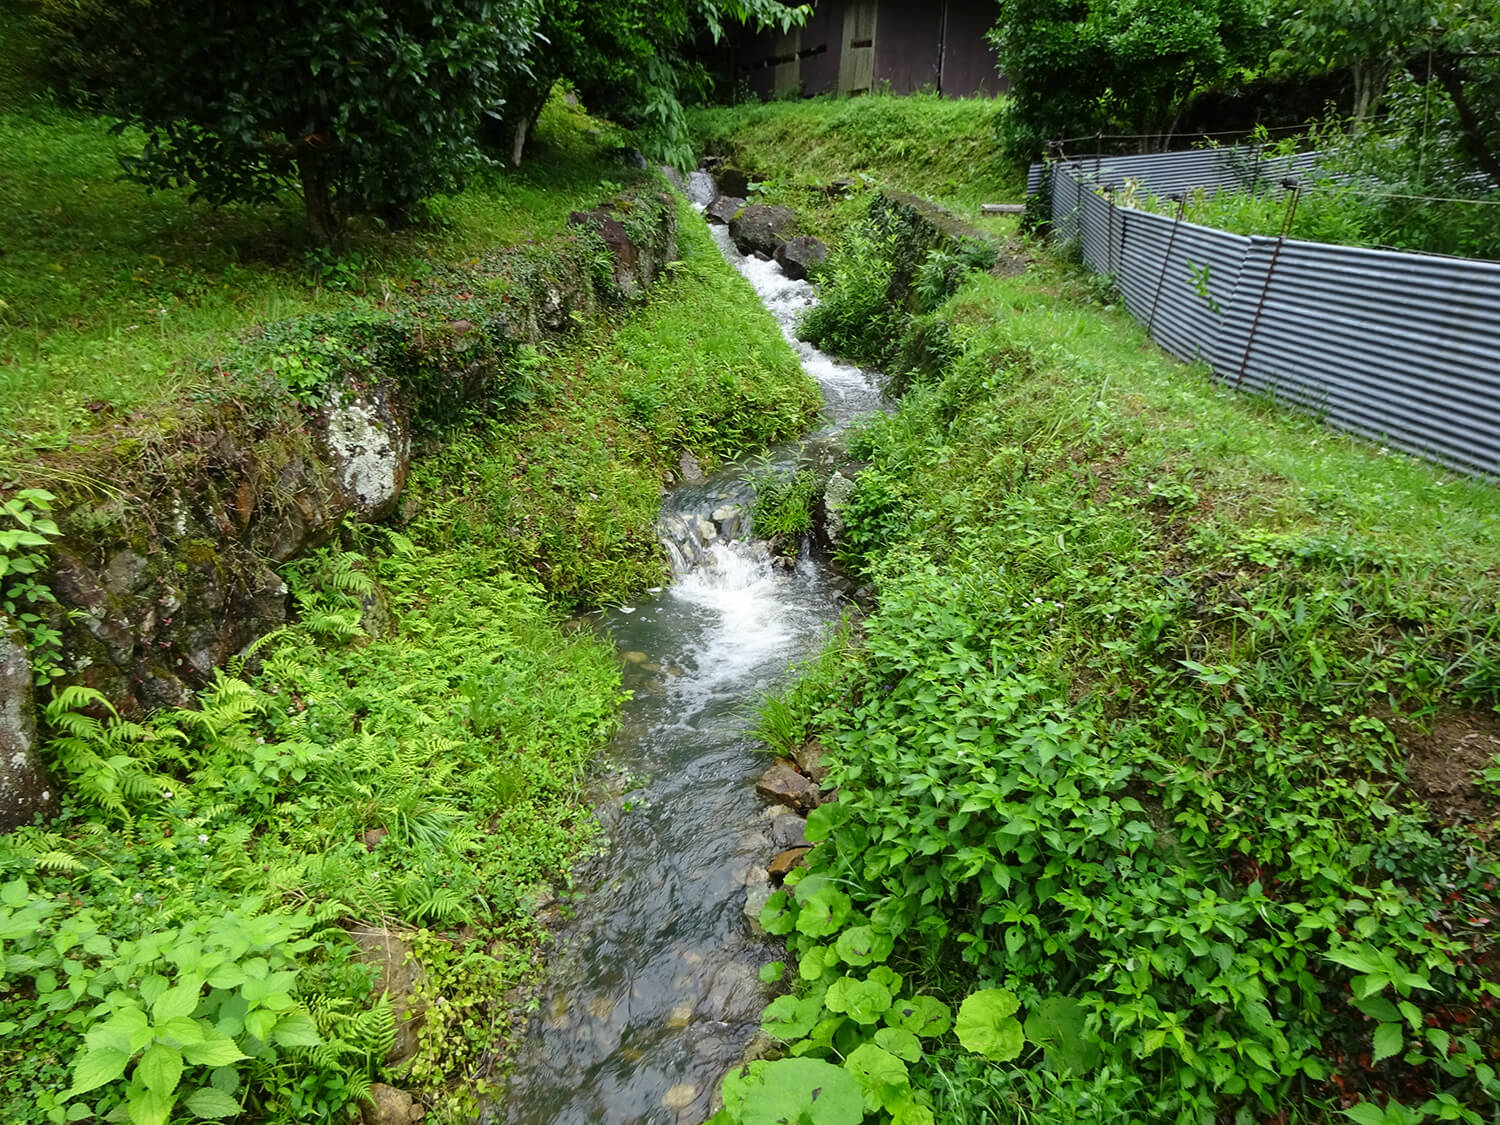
(785, 861)
(783, 785)
(688, 467)
(789, 831)
(636, 657)
(388, 1106)
(723, 209)
(680, 1096)
(810, 760)
(681, 1016)
(799, 256)
(707, 531)
(373, 836)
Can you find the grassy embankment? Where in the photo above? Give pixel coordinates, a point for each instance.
(941, 149)
(398, 770)
(1166, 764)
(113, 301)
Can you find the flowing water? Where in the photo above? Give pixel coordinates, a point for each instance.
(653, 991)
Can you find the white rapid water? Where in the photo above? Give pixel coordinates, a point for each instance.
(653, 992)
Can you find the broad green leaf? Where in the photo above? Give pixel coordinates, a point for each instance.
(1056, 1024)
(823, 913)
(773, 972)
(217, 1049)
(922, 1015)
(1367, 1113)
(296, 1029)
(987, 1024)
(862, 1000)
(160, 1068)
(95, 1067)
(881, 1075)
(149, 1107)
(823, 820)
(791, 1017)
(807, 1091)
(208, 1103)
(776, 915)
(899, 1042)
(178, 1001)
(910, 1113)
(861, 945)
(1387, 1041)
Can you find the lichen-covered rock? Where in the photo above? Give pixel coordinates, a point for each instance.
(637, 256)
(390, 1106)
(25, 790)
(761, 227)
(837, 494)
(368, 443)
(799, 256)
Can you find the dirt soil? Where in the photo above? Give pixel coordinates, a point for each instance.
(1442, 765)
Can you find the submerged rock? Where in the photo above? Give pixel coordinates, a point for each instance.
(761, 227)
(798, 256)
(723, 209)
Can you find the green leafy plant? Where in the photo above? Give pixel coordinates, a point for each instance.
(23, 595)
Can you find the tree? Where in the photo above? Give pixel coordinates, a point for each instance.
(366, 105)
(1131, 66)
(626, 59)
(1454, 44)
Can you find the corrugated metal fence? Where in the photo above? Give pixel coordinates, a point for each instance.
(1401, 348)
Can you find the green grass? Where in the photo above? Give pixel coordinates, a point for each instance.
(572, 489)
(1172, 718)
(943, 149)
(111, 299)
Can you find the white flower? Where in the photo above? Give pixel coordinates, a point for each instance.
(202, 839)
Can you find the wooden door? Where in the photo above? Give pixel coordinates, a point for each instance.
(857, 62)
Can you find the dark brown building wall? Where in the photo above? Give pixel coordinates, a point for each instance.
(906, 45)
(969, 63)
(820, 68)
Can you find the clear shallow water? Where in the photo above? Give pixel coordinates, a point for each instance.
(653, 991)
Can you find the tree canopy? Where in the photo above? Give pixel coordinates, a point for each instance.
(1119, 66)
(370, 106)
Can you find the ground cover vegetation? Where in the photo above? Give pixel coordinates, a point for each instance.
(400, 769)
(1165, 764)
(939, 148)
(115, 305)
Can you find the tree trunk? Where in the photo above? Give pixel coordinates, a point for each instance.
(518, 139)
(1452, 78)
(1370, 78)
(317, 198)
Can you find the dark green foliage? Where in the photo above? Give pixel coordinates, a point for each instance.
(784, 503)
(1128, 738)
(1078, 68)
(368, 107)
(627, 60)
(906, 258)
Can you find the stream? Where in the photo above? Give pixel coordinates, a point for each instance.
(653, 992)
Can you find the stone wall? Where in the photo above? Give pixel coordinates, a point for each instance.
(167, 562)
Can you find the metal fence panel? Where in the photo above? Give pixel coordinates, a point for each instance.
(1401, 348)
